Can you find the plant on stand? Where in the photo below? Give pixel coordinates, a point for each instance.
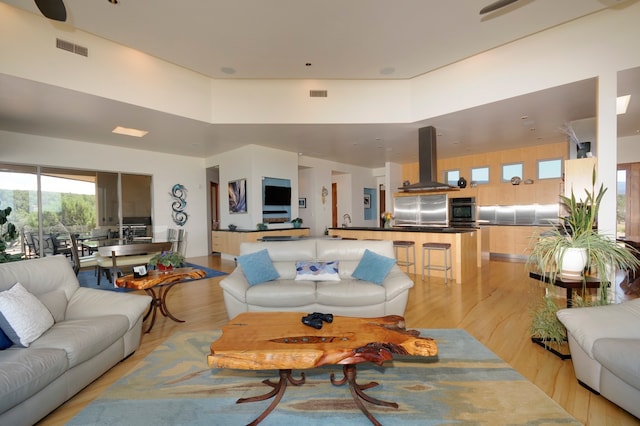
(167, 260)
(600, 255)
(297, 222)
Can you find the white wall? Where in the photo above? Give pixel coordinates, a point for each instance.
(111, 70)
(629, 149)
(306, 190)
(253, 163)
(166, 170)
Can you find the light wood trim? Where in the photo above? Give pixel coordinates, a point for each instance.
(496, 192)
(228, 242)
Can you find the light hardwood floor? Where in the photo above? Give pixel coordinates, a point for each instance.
(494, 308)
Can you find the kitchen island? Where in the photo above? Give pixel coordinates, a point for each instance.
(228, 241)
(465, 243)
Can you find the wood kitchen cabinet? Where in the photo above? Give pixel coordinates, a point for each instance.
(228, 242)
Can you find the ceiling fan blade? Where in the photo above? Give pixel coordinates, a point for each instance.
(52, 9)
(496, 5)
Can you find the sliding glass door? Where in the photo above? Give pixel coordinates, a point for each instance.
(48, 204)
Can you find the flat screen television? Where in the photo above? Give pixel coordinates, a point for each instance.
(277, 195)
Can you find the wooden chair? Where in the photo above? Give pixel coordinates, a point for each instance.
(78, 262)
(110, 258)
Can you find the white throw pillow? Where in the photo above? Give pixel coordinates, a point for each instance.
(23, 317)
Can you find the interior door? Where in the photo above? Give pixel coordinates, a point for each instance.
(214, 207)
(334, 205)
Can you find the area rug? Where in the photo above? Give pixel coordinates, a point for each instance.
(88, 278)
(465, 384)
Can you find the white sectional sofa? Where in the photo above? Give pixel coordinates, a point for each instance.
(91, 331)
(605, 350)
(348, 296)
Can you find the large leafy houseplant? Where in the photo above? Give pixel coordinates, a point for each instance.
(578, 229)
(8, 234)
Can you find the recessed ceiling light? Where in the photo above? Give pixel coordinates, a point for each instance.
(129, 132)
(622, 103)
(228, 70)
(387, 70)
(524, 117)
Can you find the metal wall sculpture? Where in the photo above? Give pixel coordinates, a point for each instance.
(179, 194)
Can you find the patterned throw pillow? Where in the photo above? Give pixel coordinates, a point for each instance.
(317, 271)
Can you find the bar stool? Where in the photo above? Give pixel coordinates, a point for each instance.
(447, 265)
(408, 261)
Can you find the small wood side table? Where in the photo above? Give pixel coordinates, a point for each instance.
(163, 281)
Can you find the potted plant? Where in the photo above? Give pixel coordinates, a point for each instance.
(167, 260)
(577, 232)
(8, 234)
(297, 222)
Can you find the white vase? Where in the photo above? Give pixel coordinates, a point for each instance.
(574, 260)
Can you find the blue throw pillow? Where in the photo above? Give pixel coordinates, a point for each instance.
(5, 342)
(373, 267)
(257, 267)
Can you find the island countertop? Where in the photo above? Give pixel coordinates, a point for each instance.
(428, 229)
(466, 246)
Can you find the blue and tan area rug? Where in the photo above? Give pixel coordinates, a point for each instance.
(88, 278)
(466, 384)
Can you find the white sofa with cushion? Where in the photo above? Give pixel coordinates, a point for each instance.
(605, 350)
(61, 336)
(326, 288)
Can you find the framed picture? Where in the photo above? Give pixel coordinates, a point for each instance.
(367, 201)
(238, 196)
(302, 203)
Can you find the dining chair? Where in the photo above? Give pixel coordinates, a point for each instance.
(111, 258)
(78, 262)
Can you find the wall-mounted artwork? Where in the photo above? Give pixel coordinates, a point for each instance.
(179, 203)
(302, 203)
(238, 196)
(367, 201)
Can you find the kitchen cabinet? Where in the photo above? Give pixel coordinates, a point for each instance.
(513, 241)
(228, 242)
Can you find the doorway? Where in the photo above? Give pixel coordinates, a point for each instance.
(334, 205)
(214, 208)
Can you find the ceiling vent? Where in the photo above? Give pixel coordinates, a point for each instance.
(318, 93)
(71, 47)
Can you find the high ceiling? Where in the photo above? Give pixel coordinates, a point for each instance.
(355, 39)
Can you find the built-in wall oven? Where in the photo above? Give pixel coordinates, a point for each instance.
(462, 211)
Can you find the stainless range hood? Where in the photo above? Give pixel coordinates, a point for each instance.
(427, 163)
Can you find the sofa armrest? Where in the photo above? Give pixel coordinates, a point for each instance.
(586, 325)
(236, 284)
(396, 282)
(89, 303)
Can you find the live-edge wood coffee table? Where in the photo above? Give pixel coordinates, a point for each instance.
(163, 281)
(279, 341)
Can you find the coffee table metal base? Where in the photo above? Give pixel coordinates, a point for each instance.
(278, 391)
(349, 372)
